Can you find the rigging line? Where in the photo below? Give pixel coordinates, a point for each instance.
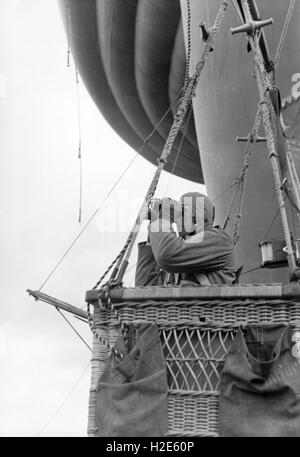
(89, 221)
(79, 145)
(284, 33)
(252, 269)
(292, 201)
(98, 209)
(67, 12)
(179, 149)
(73, 328)
(177, 97)
(129, 269)
(67, 397)
(224, 191)
(237, 10)
(271, 224)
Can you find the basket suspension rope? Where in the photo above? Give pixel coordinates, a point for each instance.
(146, 141)
(268, 115)
(188, 118)
(185, 102)
(177, 123)
(122, 260)
(189, 44)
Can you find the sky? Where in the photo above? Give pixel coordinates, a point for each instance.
(44, 367)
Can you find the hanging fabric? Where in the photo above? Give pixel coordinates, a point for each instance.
(132, 393)
(260, 384)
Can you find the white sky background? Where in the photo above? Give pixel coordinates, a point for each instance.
(41, 359)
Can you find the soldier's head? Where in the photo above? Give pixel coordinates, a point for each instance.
(196, 214)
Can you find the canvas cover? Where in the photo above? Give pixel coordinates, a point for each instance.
(132, 393)
(260, 385)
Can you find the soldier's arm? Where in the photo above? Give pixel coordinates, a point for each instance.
(147, 271)
(173, 254)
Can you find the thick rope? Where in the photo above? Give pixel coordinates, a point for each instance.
(252, 139)
(185, 103)
(179, 150)
(183, 108)
(189, 44)
(124, 249)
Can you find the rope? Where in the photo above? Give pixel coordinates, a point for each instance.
(177, 123)
(185, 103)
(79, 146)
(73, 328)
(227, 189)
(98, 209)
(88, 222)
(271, 224)
(294, 193)
(129, 269)
(251, 270)
(242, 180)
(65, 400)
(67, 12)
(237, 10)
(251, 142)
(124, 249)
(284, 33)
(99, 337)
(179, 151)
(189, 44)
(268, 116)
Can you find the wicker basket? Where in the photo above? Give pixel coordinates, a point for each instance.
(197, 328)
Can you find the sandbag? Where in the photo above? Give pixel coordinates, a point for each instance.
(132, 393)
(260, 384)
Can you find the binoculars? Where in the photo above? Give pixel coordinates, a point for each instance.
(156, 206)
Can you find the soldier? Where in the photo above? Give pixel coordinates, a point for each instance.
(201, 254)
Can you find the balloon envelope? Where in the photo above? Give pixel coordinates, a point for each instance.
(131, 56)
